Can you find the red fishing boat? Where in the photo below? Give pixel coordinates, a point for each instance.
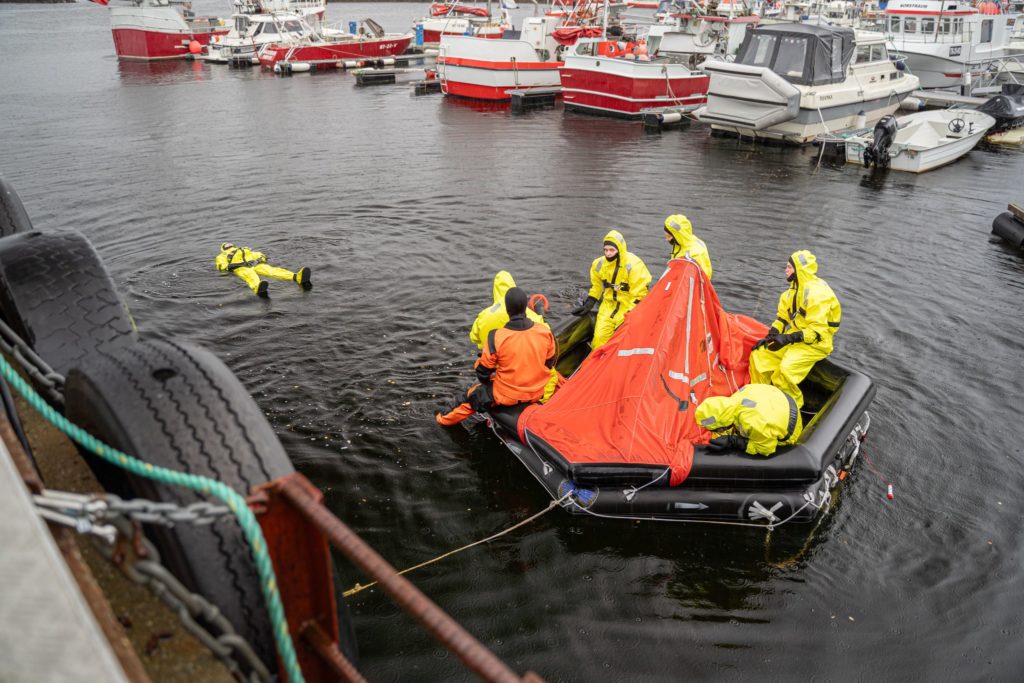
(327, 46)
(156, 29)
(456, 19)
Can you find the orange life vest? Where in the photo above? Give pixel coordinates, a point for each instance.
(520, 360)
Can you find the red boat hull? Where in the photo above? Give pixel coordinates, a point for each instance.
(617, 95)
(130, 43)
(334, 52)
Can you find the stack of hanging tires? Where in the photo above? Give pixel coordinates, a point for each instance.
(166, 402)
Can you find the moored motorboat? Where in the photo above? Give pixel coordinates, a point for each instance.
(620, 439)
(257, 24)
(330, 46)
(921, 141)
(460, 19)
(156, 29)
(792, 82)
(949, 42)
(608, 77)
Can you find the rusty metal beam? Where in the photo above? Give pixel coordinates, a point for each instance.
(328, 650)
(436, 621)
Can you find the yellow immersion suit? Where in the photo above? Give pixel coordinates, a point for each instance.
(808, 315)
(764, 415)
(618, 284)
(495, 316)
(685, 244)
(250, 265)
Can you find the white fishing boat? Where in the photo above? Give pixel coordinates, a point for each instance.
(920, 142)
(792, 82)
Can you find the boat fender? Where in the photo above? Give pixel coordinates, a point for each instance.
(1009, 229)
(911, 104)
(301, 67)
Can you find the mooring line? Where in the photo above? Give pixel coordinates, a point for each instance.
(359, 587)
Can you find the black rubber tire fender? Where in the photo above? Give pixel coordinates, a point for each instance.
(13, 217)
(57, 295)
(177, 406)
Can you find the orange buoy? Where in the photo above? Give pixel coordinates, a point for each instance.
(194, 47)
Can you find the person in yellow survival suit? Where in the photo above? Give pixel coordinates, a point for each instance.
(679, 232)
(619, 281)
(514, 365)
(495, 316)
(250, 265)
(757, 419)
(808, 319)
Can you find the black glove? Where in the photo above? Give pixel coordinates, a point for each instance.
(623, 286)
(781, 340)
(724, 443)
(483, 374)
(772, 334)
(584, 307)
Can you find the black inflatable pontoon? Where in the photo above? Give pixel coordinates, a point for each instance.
(795, 484)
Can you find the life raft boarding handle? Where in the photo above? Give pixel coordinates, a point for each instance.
(543, 300)
(237, 504)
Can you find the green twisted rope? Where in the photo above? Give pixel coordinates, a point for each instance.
(247, 520)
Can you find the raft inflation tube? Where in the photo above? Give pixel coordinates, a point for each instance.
(1010, 229)
(791, 486)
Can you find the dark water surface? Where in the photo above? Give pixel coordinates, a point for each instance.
(405, 207)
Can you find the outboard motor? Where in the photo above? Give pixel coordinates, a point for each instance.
(878, 153)
(1007, 108)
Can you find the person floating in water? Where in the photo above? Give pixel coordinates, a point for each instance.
(756, 420)
(619, 281)
(679, 233)
(514, 366)
(808, 319)
(250, 265)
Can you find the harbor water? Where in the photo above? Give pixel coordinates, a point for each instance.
(405, 207)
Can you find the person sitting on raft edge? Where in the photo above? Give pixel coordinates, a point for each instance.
(619, 280)
(757, 419)
(808, 318)
(249, 265)
(514, 365)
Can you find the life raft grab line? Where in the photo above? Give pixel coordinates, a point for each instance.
(237, 504)
(551, 506)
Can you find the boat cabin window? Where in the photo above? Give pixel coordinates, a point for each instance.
(761, 55)
(910, 24)
(879, 53)
(928, 26)
(792, 56)
(585, 49)
(986, 31)
(863, 54)
(265, 29)
(894, 24)
(837, 56)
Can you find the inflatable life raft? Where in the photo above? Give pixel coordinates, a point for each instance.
(686, 329)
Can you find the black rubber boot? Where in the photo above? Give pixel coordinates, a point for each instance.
(261, 291)
(303, 277)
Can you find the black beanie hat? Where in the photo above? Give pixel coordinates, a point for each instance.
(515, 301)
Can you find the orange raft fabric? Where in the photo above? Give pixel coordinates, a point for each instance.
(568, 35)
(632, 401)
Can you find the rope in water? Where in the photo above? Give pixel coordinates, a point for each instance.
(359, 587)
(237, 504)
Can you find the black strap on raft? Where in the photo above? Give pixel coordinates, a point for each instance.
(683, 403)
(793, 414)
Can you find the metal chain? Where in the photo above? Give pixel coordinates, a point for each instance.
(198, 615)
(42, 375)
(97, 508)
(108, 517)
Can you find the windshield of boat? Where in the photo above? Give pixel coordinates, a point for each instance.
(760, 51)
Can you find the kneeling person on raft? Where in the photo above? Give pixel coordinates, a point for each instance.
(757, 419)
(514, 365)
(619, 280)
(808, 319)
(249, 265)
(679, 233)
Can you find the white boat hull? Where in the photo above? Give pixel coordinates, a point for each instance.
(925, 140)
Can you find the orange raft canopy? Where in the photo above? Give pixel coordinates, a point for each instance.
(632, 401)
